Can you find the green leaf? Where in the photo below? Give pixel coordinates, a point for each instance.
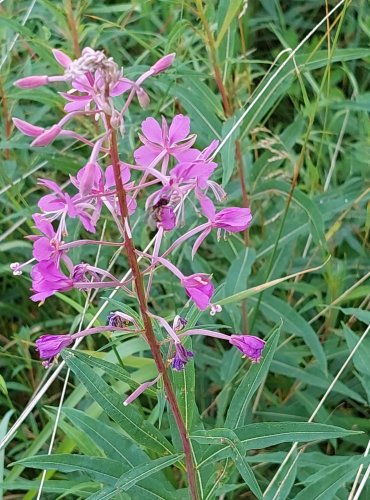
(264, 434)
(113, 443)
(328, 480)
(232, 11)
(3, 387)
(3, 429)
(196, 98)
(236, 452)
(275, 310)
(239, 271)
(113, 370)
(184, 382)
(250, 383)
(127, 417)
(362, 355)
(140, 472)
(228, 151)
(302, 200)
(283, 480)
(245, 294)
(104, 470)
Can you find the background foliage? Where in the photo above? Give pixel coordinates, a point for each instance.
(303, 133)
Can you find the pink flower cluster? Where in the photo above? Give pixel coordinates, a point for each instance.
(167, 168)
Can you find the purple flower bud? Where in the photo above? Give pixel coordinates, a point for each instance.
(31, 82)
(50, 346)
(62, 58)
(199, 288)
(182, 356)
(47, 136)
(249, 345)
(27, 128)
(163, 63)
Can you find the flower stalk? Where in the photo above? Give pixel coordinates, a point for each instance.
(148, 327)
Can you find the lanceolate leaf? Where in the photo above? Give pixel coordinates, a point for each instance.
(104, 470)
(265, 434)
(140, 472)
(328, 481)
(128, 417)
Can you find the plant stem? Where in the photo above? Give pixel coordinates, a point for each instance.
(148, 327)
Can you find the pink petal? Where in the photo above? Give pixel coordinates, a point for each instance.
(179, 129)
(207, 207)
(200, 240)
(152, 130)
(109, 175)
(77, 105)
(145, 155)
(42, 250)
(120, 87)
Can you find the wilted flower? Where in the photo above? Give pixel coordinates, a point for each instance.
(50, 346)
(47, 279)
(250, 346)
(182, 356)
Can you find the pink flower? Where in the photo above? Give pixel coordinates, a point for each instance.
(44, 247)
(47, 279)
(168, 141)
(31, 82)
(182, 356)
(232, 220)
(61, 204)
(199, 288)
(250, 346)
(50, 346)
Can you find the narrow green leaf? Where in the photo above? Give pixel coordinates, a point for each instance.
(236, 452)
(3, 429)
(283, 482)
(233, 9)
(127, 417)
(103, 470)
(228, 151)
(275, 310)
(362, 355)
(140, 472)
(328, 480)
(264, 434)
(239, 271)
(114, 444)
(302, 200)
(113, 370)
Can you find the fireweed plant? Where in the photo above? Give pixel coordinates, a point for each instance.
(176, 173)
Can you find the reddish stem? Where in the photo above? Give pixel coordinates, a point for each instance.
(148, 327)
